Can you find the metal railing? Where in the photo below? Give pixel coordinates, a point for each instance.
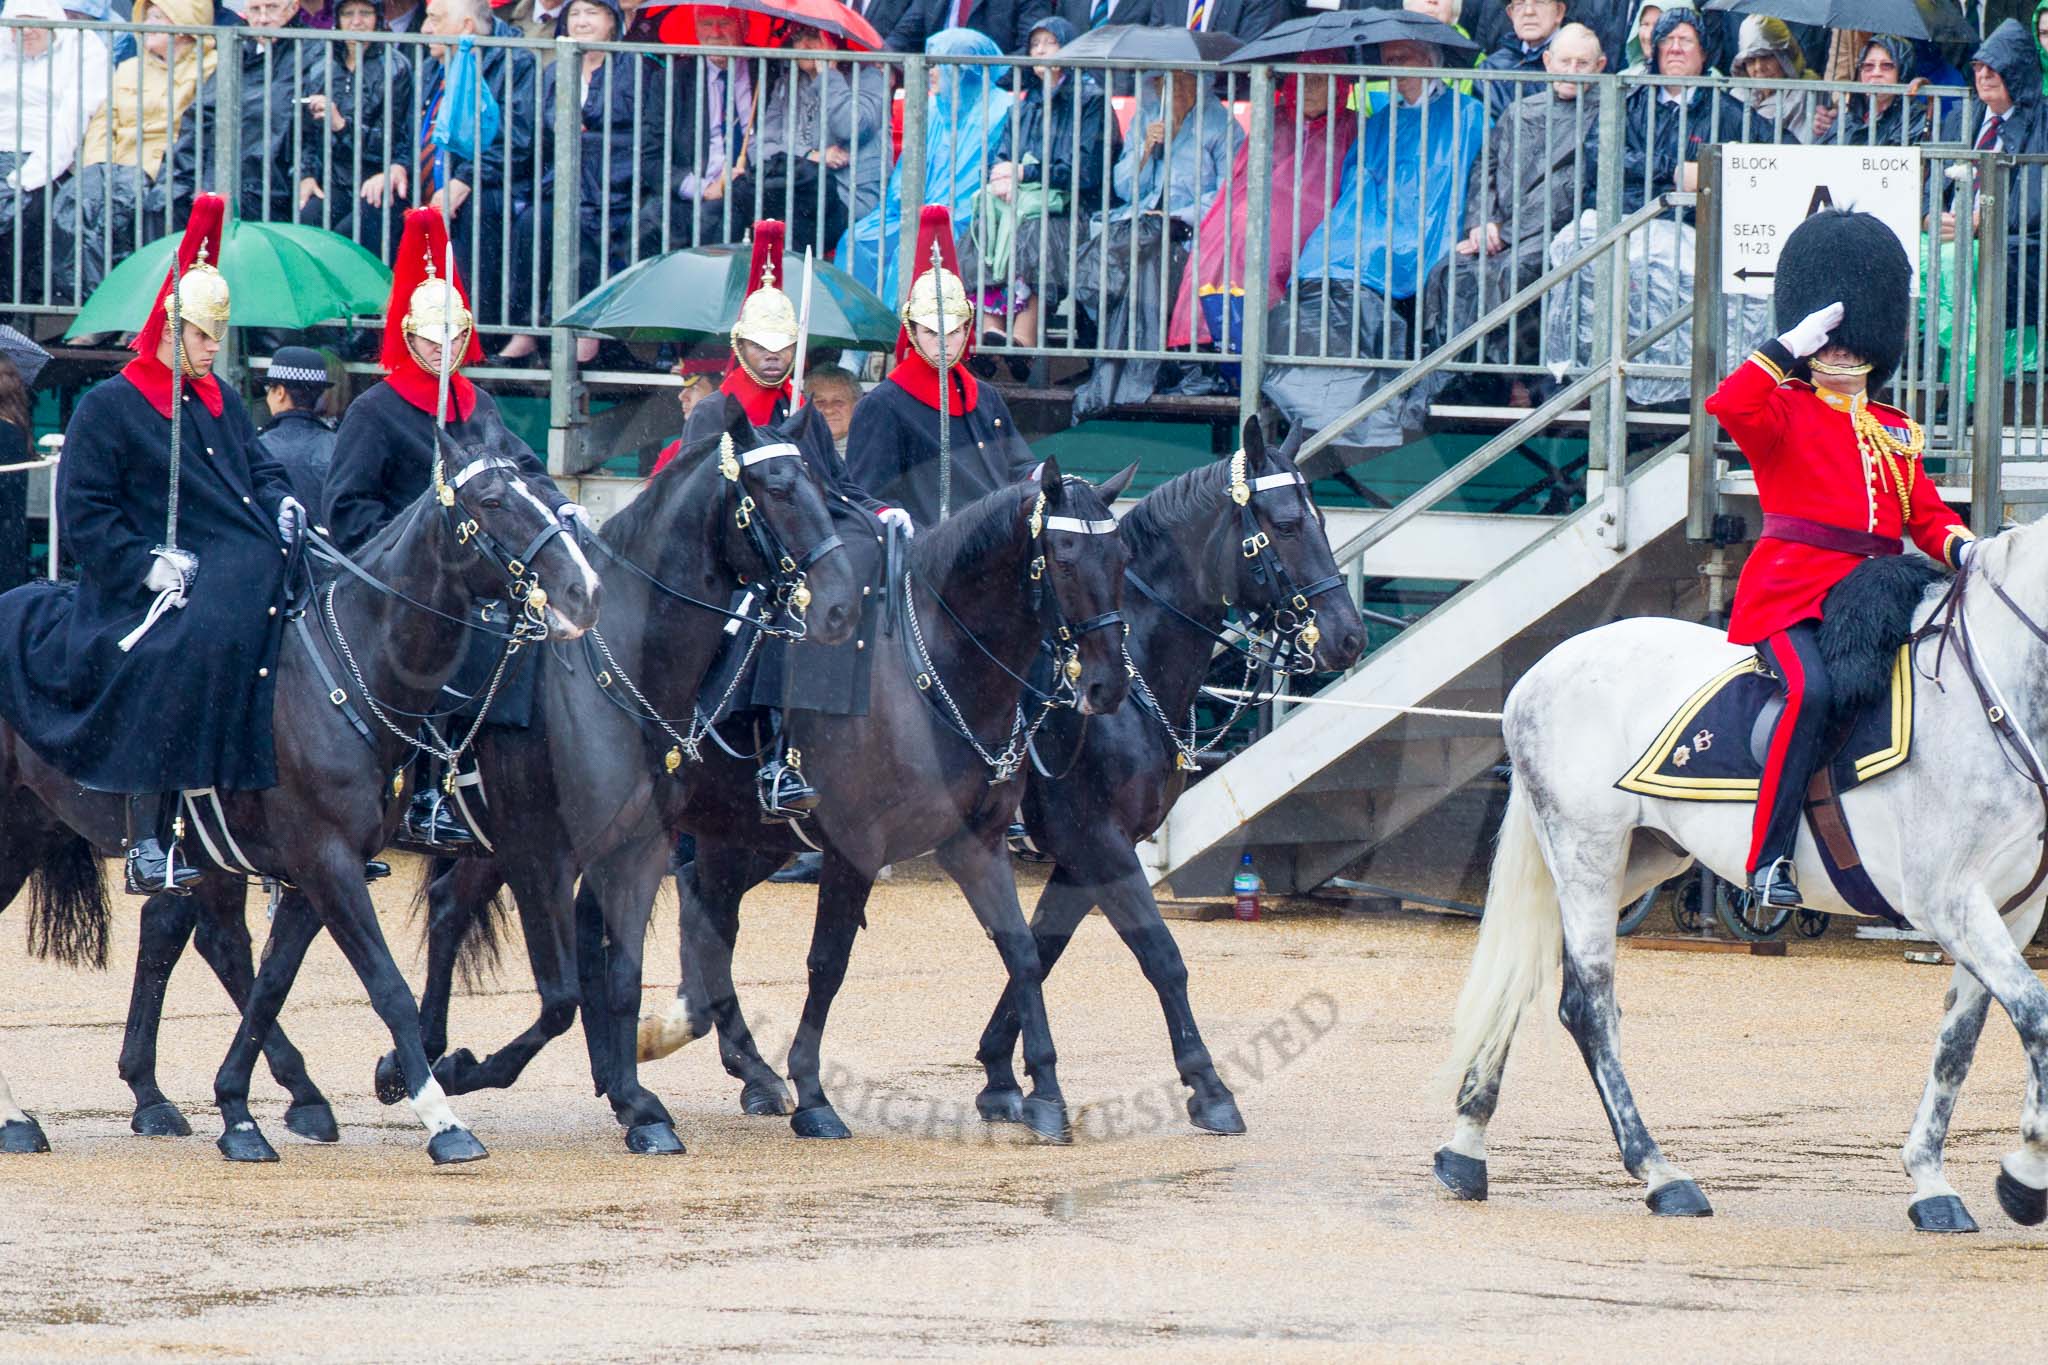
(1322, 218)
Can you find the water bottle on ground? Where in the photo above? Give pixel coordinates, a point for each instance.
(1246, 886)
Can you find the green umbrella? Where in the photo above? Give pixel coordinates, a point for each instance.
(279, 275)
(696, 293)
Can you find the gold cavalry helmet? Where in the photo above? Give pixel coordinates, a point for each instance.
(767, 318)
(436, 312)
(937, 290)
(203, 297)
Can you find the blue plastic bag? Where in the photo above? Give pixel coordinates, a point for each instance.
(468, 117)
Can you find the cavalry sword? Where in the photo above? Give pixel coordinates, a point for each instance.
(447, 321)
(803, 336)
(177, 401)
(945, 390)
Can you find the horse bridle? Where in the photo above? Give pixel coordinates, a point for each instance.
(788, 591)
(524, 584)
(1062, 642)
(1949, 623)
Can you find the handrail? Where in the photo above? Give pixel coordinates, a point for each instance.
(1500, 313)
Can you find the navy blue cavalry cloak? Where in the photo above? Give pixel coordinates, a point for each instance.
(190, 706)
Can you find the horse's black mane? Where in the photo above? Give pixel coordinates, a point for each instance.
(969, 534)
(1172, 507)
(632, 520)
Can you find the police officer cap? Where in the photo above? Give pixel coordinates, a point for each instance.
(298, 365)
(1854, 259)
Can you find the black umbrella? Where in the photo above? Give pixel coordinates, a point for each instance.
(1143, 43)
(28, 357)
(1939, 20)
(1342, 29)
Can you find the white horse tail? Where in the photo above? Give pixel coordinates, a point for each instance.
(1521, 943)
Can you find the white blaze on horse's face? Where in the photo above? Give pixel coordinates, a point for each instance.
(559, 626)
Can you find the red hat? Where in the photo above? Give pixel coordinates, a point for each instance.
(202, 231)
(934, 225)
(421, 277)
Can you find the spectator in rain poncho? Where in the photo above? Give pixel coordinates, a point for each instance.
(2009, 114)
(1538, 176)
(124, 147)
(354, 134)
(1042, 187)
(1886, 120)
(1667, 127)
(1174, 164)
(1396, 219)
(967, 115)
(1304, 165)
(51, 82)
(1790, 109)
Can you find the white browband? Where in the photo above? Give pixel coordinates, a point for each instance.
(1079, 527)
(1266, 481)
(768, 452)
(476, 467)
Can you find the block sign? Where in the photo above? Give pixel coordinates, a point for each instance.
(1767, 191)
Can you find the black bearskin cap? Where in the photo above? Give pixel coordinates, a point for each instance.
(1837, 256)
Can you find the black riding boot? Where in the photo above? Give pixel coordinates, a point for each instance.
(1801, 732)
(785, 794)
(433, 818)
(152, 854)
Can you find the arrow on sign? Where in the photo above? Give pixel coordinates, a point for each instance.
(1745, 273)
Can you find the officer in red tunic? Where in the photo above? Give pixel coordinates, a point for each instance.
(1840, 480)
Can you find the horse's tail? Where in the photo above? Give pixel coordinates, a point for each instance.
(1521, 942)
(480, 937)
(67, 911)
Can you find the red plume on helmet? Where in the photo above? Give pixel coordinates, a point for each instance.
(769, 236)
(934, 224)
(203, 228)
(423, 251)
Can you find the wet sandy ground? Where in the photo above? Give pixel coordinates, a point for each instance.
(1784, 1085)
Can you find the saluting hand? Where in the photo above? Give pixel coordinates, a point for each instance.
(1812, 332)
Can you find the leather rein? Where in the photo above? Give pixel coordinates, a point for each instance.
(1950, 626)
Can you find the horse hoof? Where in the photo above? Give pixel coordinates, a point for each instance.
(390, 1083)
(21, 1137)
(1000, 1106)
(760, 1099)
(245, 1143)
(1679, 1199)
(1218, 1115)
(2023, 1204)
(1464, 1176)
(162, 1119)
(1941, 1213)
(313, 1121)
(456, 1070)
(1047, 1119)
(453, 1146)
(654, 1139)
(818, 1122)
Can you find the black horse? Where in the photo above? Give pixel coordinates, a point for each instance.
(372, 651)
(594, 786)
(1197, 552)
(950, 716)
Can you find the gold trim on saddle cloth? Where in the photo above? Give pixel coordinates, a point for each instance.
(1647, 776)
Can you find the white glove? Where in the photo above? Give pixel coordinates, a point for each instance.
(1812, 332)
(171, 571)
(570, 512)
(896, 516)
(291, 515)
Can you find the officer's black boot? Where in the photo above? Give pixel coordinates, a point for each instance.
(1773, 884)
(433, 818)
(785, 794)
(152, 855)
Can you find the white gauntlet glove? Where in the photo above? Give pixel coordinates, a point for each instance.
(570, 513)
(896, 516)
(1812, 331)
(291, 515)
(171, 571)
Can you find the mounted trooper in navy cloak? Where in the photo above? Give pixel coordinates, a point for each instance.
(900, 447)
(154, 675)
(766, 345)
(384, 451)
